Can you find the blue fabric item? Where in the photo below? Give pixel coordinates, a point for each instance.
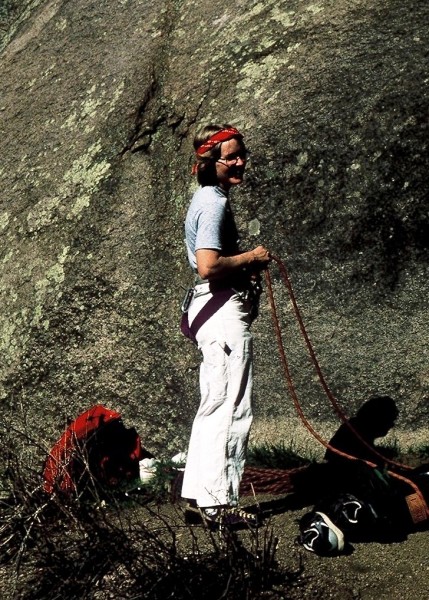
(210, 224)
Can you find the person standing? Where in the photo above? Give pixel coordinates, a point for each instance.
(220, 313)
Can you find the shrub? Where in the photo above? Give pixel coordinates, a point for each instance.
(98, 547)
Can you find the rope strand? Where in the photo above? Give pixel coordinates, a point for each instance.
(315, 362)
(322, 380)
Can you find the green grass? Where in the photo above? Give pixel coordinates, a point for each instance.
(277, 456)
(422, 452)
(161, 487)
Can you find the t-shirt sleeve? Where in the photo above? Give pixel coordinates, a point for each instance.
(209, 227)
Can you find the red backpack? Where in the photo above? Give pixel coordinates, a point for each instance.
(96, 445)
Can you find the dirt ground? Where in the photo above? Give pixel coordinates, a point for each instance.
(370, 571)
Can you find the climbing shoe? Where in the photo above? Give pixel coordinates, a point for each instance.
(318, 534)
(231, 517)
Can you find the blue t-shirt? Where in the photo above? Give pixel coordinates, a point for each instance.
(210, 224)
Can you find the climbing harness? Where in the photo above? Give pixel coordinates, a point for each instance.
(417, 505)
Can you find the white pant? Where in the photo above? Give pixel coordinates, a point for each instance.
(220, 432)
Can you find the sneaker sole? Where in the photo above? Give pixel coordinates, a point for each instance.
(194, 516)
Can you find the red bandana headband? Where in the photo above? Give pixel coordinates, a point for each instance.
(221, 136)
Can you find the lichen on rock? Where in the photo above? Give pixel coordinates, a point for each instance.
(99, 108)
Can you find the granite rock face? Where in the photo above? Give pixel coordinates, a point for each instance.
(99, 104)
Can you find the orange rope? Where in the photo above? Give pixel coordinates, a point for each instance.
(322, 381)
